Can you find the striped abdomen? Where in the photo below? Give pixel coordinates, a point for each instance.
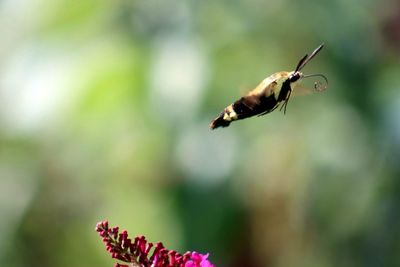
(243, 108)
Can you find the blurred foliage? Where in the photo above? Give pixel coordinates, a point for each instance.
(104, 107)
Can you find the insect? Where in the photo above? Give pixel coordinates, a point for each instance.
(269, 94)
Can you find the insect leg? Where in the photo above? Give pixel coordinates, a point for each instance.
(286, 102)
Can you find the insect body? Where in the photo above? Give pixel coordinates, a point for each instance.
(268, 95)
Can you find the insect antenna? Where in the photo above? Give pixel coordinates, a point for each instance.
(307, 58)
(301, 63)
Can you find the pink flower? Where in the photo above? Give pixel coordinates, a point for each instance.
(198, 260)
(141, 253)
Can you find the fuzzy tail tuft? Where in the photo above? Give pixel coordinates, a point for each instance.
(219, 122)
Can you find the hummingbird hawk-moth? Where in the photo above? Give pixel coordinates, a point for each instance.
(269, 94)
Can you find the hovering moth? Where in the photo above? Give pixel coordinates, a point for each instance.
(269, 94)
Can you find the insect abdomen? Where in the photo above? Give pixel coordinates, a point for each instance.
(220, 121)
(245, 107)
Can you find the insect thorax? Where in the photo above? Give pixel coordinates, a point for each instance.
(273, 84)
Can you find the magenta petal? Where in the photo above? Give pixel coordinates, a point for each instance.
(198, 260)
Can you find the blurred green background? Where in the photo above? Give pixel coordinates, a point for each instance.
(104, 113)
